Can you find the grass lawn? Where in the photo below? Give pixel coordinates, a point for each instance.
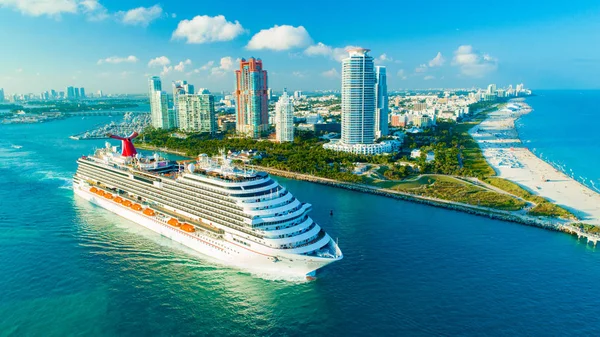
(449, 188)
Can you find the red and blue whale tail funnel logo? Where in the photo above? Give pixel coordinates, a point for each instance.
(127, 148)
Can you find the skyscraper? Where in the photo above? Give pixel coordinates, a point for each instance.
(381, 102)
(81, 93)
(76, 93)
(70, 93)
(161, 117)
(358, 98)
(284, 119)
(180, 87)
(359, 106)
(251, 98)
(1, 95)
(154, 84)
(197, 113)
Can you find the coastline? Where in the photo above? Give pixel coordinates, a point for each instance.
(501, 146)
(550, 223)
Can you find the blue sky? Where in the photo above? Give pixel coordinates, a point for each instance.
(114, 45)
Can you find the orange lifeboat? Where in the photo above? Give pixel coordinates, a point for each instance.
(188, 228)
(174, 222)
(100, 193)
(136, 207)
(93, 190)
(118, 200)
(149, 212)
(127, 203)
(108, 196)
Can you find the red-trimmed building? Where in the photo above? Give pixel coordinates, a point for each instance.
(251, 98)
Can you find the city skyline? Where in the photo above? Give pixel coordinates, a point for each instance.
(115, 44)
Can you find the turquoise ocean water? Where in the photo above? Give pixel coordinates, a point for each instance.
(68, 268)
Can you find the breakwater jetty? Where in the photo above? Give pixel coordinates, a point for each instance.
(516, 217)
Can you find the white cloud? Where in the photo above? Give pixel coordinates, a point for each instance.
(140, 16)
(331, 73)
(225, 66)
(472, 63)
(421, 69)
(430, 77)
(19, 70)
(402, 74)
(227, 63)
(207, 66)
(299, 74)
(204, 29)
(280, 38)
(159, 61)
(93, 10)
(437, 61)
(321, 49)
(116, 59)
(383, 58)
(52, 8)
(181, 65)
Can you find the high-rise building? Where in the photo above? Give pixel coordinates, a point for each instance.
(180, 87)
(491, 89)
(251, 99)
(162, 117)
(358, 98)
(70, 93)
(154, 84)
(297, 94)
(269, 93)
(76, 93)
(81, 93)
(359, 107)
(1, 95)
(197, 113)
(101, 94)
(381, 102)
(284, 119)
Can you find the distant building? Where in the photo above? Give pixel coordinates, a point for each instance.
(491, 89)
(154, 84)
(419, 106)
(251, 98)
(284, 119)
(81, 93)
(398, 121)
(180, 87)
(162, 117)
(1, 95)
(70, 93)
(101, 94)
(197, 113)
(381, 102)
(297, 94)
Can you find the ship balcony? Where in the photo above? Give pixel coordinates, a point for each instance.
(291, 228)
(280, 208)
(296, 241)
(317, 243)
(273, 217)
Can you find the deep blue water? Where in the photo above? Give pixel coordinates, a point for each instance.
(563, 129)
(69, 268)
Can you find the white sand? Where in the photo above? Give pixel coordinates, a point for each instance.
(502, 148)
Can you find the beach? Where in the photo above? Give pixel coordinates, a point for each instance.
(499, 141)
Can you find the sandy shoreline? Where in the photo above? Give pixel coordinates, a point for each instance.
(498, 138)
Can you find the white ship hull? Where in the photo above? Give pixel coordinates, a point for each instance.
(280, 265)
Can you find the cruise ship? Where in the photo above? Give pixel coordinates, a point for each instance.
(241, 217)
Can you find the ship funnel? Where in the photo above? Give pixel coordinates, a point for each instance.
(127, 148)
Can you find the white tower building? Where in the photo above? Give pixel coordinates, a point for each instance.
(197, 113)
(381, 103)
(284, 118)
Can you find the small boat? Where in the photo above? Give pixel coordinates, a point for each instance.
(17, 146)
